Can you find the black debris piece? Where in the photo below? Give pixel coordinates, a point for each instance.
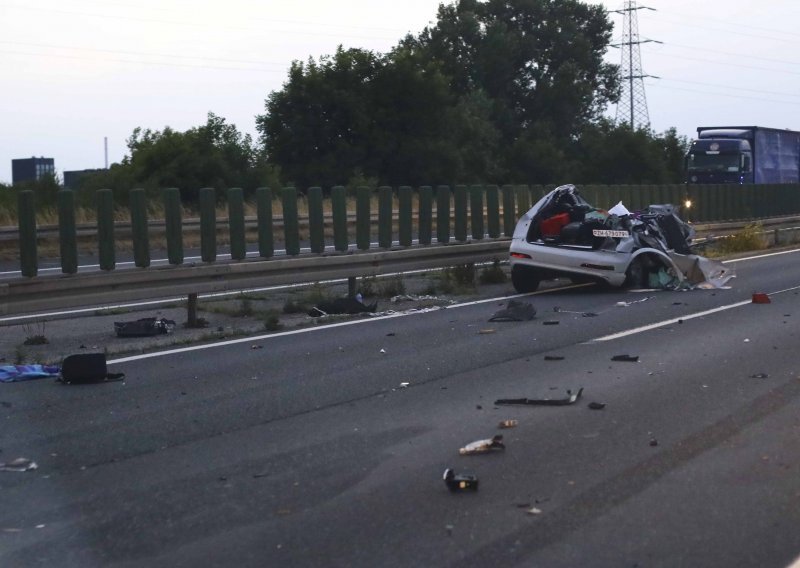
(553, 357)
(571, 398)
(626, 358)
(144, 327)
(759, 376)
(597, 405)
(550, 322)
(515, 311)
(589, 315)
(653, 442)
(341, 306)
(86, 368)
(558, 310)
(460, 482)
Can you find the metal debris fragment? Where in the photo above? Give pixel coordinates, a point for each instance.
(571, 398)
(483, 446)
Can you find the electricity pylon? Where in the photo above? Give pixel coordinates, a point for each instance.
(632, 105)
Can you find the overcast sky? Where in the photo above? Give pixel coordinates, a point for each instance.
(77, 71)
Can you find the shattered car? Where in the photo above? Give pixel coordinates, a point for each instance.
(564, 235)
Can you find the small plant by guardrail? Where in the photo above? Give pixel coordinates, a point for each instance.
(750, 238)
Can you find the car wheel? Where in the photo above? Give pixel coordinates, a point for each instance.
(524, 279)
(637, 274)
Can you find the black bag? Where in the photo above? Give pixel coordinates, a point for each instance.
(86, 368)
(143, 327)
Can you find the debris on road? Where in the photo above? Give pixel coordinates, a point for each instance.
(348, 306)
(515, 311)
(144, 327)
(553, 357)
(558, 310)
(550, 322)
(16, 373)
(653, 442)
(458, 482)
(628, 304)
(483, 446)
(597, 405)
(534, 511)
(87, 368)
(759, 376)
(761, 298)
(487, 331)
(570, 399)
(404, 385)
(508, 424)
(19, 464)
(626, 358)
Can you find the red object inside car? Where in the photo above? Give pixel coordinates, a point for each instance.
(552, 227)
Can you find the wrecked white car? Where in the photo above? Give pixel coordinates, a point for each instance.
(563, 235)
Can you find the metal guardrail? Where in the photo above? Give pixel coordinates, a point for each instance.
(23, 295)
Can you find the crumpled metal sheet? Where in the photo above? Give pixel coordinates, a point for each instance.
(701, 272)
(515, 311)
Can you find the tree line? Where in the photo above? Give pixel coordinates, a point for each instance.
(494, 91)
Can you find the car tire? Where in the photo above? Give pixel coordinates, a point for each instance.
(637, 274)
(524, 279)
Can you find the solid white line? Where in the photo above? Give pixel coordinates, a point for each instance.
(324, 327)
(765, 255)
(651, 326)
(795, 564)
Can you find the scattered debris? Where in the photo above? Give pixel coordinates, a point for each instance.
(485, 331)
(550, 322)
(626, 358)
(19, 464)
(457, 482)
(86, 368)
(570, 399)
(404, 385)
(341, 306)
(256, 347)
(597, 405)
(534, 511)
(390, 334)
(383, 350)
(747, 340)
(508, 424)
(653, 442)
(515, 311)
(761, 298)
(553, 357)
(144, 327)
(16, 373)
(483, 446)
(628, 304)
(759, 376)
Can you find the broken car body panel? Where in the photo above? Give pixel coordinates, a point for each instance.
(562, 234)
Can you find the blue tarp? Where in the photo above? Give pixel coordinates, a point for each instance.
(13, 373)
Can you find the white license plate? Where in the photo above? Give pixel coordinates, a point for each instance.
(609, 233)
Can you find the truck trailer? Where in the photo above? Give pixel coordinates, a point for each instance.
(743, 154)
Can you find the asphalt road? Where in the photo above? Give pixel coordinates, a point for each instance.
(308, 451)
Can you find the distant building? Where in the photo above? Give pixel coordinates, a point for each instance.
(31, 169)
(72, 178)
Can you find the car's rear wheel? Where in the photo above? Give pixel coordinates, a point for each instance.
(525, 279)
(637, 274)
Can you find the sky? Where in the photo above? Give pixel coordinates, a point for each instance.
(78, 72)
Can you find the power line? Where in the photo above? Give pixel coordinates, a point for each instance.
(727, 94)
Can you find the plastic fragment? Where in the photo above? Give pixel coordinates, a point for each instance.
(485, 331)
(570, 399)
(460, 482)
(761, 298)
(553, 358)
(653, 442)
(597, 405)
(483, 446)
(626, 358)
(759, 376)
(19, 464)
(550, 322)
(515, 311)
(508, 424)
(534, 511)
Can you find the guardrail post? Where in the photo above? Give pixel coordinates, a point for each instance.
(443, 214)
(266, 245)
(476, 211)
(509, 213)
(173, 225)
(425, 214)
(363, 220)
(68, 242)
(106, 250)
(316, 220)
(341, 241)
(385, 217)
(404, 198)
(208, 224)
(26, 213)
(141, 239)
(460, 207)
(493, 210)
(291, 225)
(236, 223)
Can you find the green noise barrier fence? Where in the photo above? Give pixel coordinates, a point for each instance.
(363, 219)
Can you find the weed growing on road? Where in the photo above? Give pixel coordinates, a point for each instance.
(493, 274)
(272, 321)
(34, 333)
(747, 239)
(390, 287)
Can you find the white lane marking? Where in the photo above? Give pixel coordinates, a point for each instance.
(765, 255)
(323, 327)
(795, 564)
(656, 325)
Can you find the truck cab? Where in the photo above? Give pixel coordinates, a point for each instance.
(720, 156)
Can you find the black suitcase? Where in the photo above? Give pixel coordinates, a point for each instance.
(86, 368)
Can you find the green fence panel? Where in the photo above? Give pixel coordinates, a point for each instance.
(26, 215)
(476, 211)
(385, 223)
(291, 223)
(493, 210)
(443, 214)
(316, 220)
(208, 224)
(405, 222)
(339, 209)
(523, 198)
(460, 203)
(363, 217)
(106, 250)
(425, 214)
(236, 233)
(67, 232)
(139, 232)
(173, 225)
(266, 240)
(509, 210)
